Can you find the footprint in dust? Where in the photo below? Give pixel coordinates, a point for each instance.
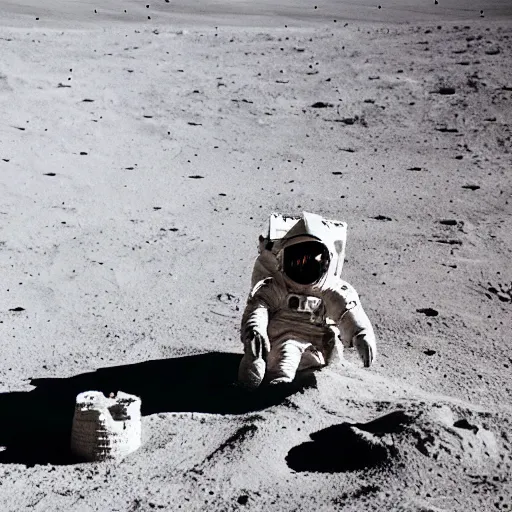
(225, 304)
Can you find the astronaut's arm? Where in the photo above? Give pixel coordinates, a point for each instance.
(356, 329)
(346, 311)
(255, 318)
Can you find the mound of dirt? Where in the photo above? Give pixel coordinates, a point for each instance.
(431, 429)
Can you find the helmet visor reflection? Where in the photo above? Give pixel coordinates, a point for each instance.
(305, 262)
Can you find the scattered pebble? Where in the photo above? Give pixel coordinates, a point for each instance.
(503, 292)
(449, 241)
(445, 91)
(322, 104)
(428, 311)
(444, 129)
(244, 499)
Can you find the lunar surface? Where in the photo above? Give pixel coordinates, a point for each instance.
(143, 146)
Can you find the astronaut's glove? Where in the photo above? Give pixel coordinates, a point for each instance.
(366, 347)
(253, 364)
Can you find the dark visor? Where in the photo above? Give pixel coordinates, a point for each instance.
(306, 262)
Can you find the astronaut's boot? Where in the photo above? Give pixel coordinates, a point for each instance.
(283, 361)
(252, 366)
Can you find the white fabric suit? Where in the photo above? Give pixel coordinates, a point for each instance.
(288, 326)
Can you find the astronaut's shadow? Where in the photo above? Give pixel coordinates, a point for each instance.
(36, 425)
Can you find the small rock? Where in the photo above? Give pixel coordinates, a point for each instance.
(243, 499)
(444, 129)
(466, 425)
(322, 104)
(428, 311)
(504, 297)
(446, 90)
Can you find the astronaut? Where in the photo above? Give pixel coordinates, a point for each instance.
(300, 313)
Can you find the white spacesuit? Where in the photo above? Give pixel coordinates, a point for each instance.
(300, 312)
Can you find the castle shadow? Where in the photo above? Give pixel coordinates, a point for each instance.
(36, 425)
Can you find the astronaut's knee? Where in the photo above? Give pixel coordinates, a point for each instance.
(284, 360)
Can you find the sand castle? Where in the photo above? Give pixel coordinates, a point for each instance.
(105, 428)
